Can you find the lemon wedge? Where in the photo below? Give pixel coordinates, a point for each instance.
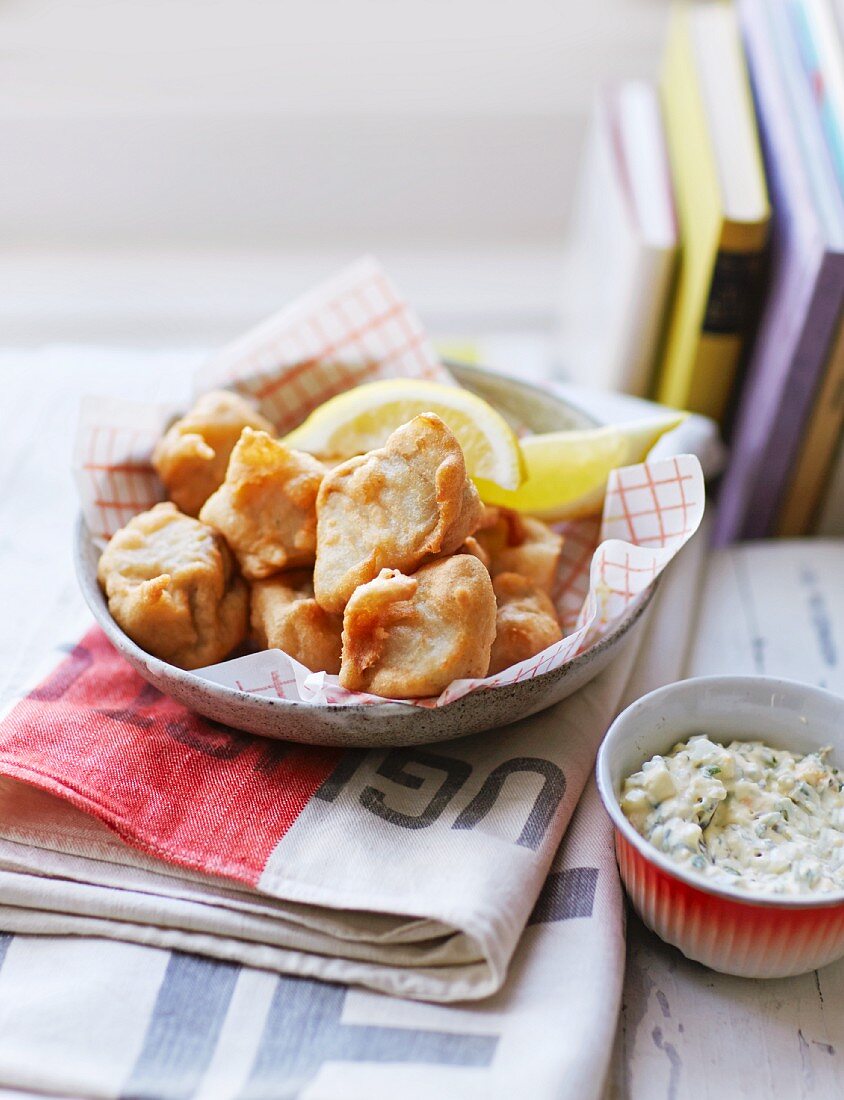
(361, 419)
(567, 471)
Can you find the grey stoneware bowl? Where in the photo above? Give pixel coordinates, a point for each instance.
(386, 724)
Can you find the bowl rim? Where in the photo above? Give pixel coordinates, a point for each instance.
(648, 851)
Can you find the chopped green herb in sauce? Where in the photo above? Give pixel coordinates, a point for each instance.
(743, 814)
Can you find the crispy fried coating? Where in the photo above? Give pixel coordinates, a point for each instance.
(266, 507)
(490, 515)
(172, 586)
(473, 547)
(521, 544)
(286, 616)
(525, 623)
(392, 508)
(409, 637)
(192, 456)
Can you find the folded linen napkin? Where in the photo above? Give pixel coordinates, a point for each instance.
(83, 1016)
(411, 871)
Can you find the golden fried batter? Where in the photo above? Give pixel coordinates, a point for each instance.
(409, 637)
(490, 515)
(525, 624)
(266, 507)
(192, 456)
(394, 508)
(473, 547)
(171, 585)
(286, 616)
(521, 544)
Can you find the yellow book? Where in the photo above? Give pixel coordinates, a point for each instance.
(722, 205)
(817, 451)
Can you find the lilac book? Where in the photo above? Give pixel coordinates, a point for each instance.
(806, 290)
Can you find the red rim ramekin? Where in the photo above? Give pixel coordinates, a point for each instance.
(728, 929)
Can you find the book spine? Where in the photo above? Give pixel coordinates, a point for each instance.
(793, 342)
(831, 518)
(817, 450)
(699, 210)
(730, 311)
(646, 321)
(810, 38)
(813, 352)
(768, 432)
(721, 260)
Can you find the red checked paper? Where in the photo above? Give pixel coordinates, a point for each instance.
(354, 329)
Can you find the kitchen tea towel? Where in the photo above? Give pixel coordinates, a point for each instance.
(411, 871)
(89, 1017)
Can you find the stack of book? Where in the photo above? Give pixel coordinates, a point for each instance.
(707, 251)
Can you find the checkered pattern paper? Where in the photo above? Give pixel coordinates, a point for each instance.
(111, 461)
(356, 328)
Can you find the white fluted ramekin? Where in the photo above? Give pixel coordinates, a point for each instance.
(727, 928)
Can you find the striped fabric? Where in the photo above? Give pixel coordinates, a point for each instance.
(408, 871)
(94, 1018)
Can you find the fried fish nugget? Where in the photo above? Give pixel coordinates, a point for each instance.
(266, 507)
(392, 508)
(473, 547)
(525, 623)
(286, 616)
(490, 515)
(409, 637)
(521, 544)
(172, 587)
(192, 455)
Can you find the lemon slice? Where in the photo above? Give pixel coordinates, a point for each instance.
(361, 419)
(567, 471)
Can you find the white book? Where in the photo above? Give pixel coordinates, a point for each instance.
(622, 246)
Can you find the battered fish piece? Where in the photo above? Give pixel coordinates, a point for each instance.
(525, 624)
(393, 508)
(473, 547)
(192, 456)
(172, 587)
(266, 507)
(521, 544)
(286, 616)
(409, 637)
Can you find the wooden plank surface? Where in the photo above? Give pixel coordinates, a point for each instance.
(687, 1033)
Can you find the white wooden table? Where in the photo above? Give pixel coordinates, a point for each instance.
(687, 1033)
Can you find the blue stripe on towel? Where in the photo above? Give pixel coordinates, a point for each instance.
(5, 940)
(566, 895)
(304, 1029)
(182, 1034)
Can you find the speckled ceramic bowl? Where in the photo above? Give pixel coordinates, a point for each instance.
(388, 724)
(757, 935)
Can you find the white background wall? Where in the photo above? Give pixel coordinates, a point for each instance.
(233, 127)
